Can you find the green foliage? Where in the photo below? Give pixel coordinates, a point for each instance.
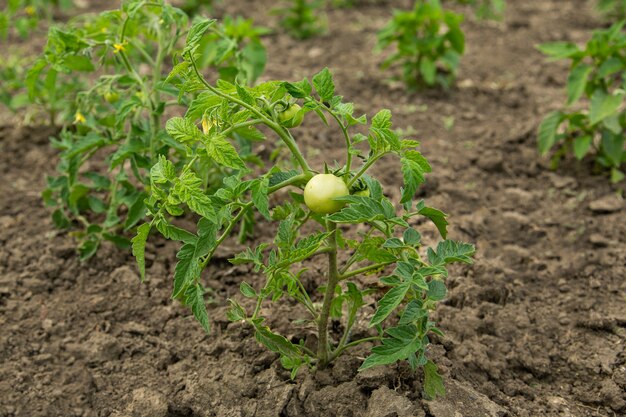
(612, 9)
(112, 134)
(595, 118)
(386, 242)
(302, 18)
(235, 50)
(22, 17)
(486, 9)
(428, 44)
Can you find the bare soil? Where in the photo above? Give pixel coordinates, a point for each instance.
(537, 327)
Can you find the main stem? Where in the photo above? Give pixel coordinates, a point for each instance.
(323, 348)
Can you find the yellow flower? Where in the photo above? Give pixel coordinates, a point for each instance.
(206, 125)
(30, 10)
(119, 47)
(79, 118)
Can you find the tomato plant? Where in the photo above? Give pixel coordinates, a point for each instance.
(302, 18)
(112, 130)
(428, 44)
(311, 224)
(596, 82)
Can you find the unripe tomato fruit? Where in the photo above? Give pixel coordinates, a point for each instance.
(320, 191)
(292, 116)
(111, 96)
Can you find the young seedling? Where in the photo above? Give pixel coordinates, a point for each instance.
(428, 44)
(595, 119)
(317, 219)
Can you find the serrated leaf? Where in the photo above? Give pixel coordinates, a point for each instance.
(324, 85)
(414, 167)
(449, 251)
(260, 196)
(194, 297)
(223, 152)
(437, 290)
(244, 95)
(182, 130)
(139, 248)
(363, 209)
(196, 32)
(389, 302)
(247, 290)
(403, 343)
(412, 312)
(163, 171)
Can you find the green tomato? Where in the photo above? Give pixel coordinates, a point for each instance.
(291, 117)
(320, 191)
(111, 96)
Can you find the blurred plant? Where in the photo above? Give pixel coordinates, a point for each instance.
(302, 18)
(487, 9)
(612, 9)
(597, 83)
(235, 50)
(24, 16)
(428, 44)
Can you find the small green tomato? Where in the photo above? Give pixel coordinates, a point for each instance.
(292, 116)
(362, 193)
(320, 191)
(111, 96)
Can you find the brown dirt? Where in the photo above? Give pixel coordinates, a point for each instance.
(535, 328)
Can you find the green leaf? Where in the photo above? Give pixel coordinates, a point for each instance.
(581, 146)
(78, 63)
(604, 105)
(437, 217)
(414, 167)
(260, 196)
(276, 343)
(194, 297)
(576, 82)
(547, 131)
(437, 290)
(411, 237)
(189, 190)
(163, 171)
(558, 50)
(323, 83)
(403, 343)
(196, 32)
(428, 69)
(247, 290)
(244, 95)
(389, 302)
(187, 270)
(449, 251)
(382, 119)
(223, 152)
(413, 312)
(610, 67)
(139, 248)
(183, 130)
(433, 382)
(363, 209)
